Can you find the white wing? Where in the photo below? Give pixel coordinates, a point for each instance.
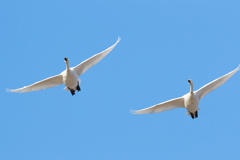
(85, 65)
(44, 84)
(214, 84)
(165, 106)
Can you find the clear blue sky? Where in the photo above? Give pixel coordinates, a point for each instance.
(164, 43)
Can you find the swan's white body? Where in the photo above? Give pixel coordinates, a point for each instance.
(69, 77)
(190, 101)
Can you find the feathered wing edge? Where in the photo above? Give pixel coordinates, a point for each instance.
(215, 84)
(165, 106)
(44, 84)
(85, 65)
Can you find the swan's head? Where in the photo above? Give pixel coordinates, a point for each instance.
(190, 81)
(67, 62)
(66, 59)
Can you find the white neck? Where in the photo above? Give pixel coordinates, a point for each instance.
(191, 88)
(67, 65)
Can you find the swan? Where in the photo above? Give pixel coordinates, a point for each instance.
(68, 77)
(190, 101)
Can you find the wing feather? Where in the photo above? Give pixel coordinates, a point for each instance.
(165, 106)
(215, 84)
(44, 84)
(85, 65)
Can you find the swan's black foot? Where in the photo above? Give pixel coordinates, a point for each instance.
(192, 115)
(78, 88)
(72, 91)
(196, 114)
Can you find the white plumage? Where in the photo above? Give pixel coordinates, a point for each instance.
(190, 100)
(69, 77)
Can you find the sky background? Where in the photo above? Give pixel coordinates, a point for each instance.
(163, 44)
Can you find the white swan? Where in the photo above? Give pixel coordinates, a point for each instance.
(69, 77)
(190, 100)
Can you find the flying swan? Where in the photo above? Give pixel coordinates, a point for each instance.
(190, 100)
(69, 77)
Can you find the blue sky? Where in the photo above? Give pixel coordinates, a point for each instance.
(163, 45)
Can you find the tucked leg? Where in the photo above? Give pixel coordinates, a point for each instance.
(196, 114)
(72, 91)
(192, 115)
(78, 86)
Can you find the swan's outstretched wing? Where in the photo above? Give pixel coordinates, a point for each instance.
(214, 84)
(85, 65)
(165, 106)
(44, 84)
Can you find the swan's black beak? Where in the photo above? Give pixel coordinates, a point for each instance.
(66, 59)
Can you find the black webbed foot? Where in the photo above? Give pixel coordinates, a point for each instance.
(196, 114)
(78, 88)
(72, 91)
(192, 115)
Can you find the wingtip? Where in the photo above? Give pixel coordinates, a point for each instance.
(132, 111)
(119, 39)
(8, 90)
(14, 90)
(238, 67)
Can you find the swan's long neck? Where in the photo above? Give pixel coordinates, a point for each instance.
(191, 88)
(67, 66)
